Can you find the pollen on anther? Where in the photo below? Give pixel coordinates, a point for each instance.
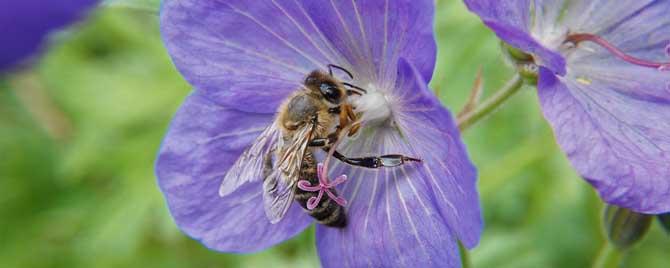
(584, 80)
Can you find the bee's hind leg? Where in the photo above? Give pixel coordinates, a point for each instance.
(323, 142)
(389, 160)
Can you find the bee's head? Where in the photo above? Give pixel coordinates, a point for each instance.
(324, 84)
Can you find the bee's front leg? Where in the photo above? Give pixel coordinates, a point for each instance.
(350, 115)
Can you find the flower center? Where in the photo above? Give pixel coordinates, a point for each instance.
(576, 39)
(374, 106)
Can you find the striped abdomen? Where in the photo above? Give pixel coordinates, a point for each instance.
(327, 212)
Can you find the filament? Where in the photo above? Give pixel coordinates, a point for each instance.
(581, 37)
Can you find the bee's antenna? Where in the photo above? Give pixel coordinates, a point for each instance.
(331, 66)
(355, 87)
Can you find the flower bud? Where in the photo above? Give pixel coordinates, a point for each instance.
(522, 61)
(515, 54)
(665, 221)
(529, 71)
(625, 227)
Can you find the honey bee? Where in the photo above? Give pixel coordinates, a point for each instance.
(311, 118)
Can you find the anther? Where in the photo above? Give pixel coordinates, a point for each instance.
(581, 37)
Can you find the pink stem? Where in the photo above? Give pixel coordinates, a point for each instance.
(339, 180)
(312, 202)
(306, 186)
(333, 148)
(578, 38)
(338, 199)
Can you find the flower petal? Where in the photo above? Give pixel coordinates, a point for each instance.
(639, 29)
(434, 137)
(26, 23)
(510, 19)
(203, 142)
(250, 55)
(514, 13)
(409, 215)
(372, 35)
(614, 127)
(605, 17)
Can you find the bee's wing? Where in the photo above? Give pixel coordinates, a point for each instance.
(279, 186)
(250, 166)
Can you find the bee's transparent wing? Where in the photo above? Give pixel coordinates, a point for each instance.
(250, 166)
(279, 186)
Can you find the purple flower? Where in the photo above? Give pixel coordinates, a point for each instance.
(601, 86)
(245, 57)
(24, 24)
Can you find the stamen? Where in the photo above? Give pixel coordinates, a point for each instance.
(578, 38)
(323, 186)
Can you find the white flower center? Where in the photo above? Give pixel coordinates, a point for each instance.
(374, 106)
(552, 37)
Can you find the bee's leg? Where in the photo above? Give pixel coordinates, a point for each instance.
(348, 112)
(389, 160)
(323, 142)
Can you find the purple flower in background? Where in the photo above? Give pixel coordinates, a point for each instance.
(24, 24)
(602, 86)
(245, 57)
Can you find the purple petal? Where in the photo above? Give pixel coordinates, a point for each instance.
(603, 17)
(413, 214)
(372, 35)
(640, 29)
(204, 140)
(613, 125)
(514, 13)
(24, 24)
(250, 55)
(510, 19)
(636, 27)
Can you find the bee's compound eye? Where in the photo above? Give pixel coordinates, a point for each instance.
(330, 92)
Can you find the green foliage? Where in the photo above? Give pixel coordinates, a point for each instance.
(80, 132)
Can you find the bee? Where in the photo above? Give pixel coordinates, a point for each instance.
(311, 118)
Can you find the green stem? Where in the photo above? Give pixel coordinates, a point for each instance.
(466, 261)
(470, 118)
(145, 7)
(609, 257)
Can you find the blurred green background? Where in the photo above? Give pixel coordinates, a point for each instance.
(80, 131)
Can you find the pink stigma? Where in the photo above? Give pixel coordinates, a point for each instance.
(578, 38)
(324, 186)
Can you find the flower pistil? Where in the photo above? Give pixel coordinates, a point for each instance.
(575, 39)
(324, 186)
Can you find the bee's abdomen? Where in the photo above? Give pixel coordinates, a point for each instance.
(327, 212)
